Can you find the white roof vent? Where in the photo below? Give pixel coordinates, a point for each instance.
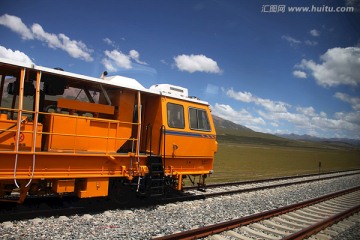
(171, 90)
(125, 82)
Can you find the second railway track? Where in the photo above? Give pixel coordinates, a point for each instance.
(295, 221)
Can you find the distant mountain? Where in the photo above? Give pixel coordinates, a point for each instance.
(223, 125)
(228, 131)
(310, 138)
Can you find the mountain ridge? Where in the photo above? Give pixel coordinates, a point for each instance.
(227, 129)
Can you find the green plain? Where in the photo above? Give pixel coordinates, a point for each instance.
(242, 158)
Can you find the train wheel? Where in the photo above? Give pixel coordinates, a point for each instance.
(118, 191)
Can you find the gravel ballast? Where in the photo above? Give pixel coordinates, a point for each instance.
(166, 219)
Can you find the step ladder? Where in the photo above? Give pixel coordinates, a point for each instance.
(155, 181)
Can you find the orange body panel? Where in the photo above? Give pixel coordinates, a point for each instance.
(8, 136)
(64, 185)
(93, 187)
(73, 133)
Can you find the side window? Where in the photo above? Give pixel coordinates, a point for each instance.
(198, 119)
(175, 115)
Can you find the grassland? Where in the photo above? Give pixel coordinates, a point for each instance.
(237, 161)
(244, 155)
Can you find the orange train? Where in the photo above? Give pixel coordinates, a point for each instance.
(65, 133)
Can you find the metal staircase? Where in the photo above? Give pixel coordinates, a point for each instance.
(155, 179)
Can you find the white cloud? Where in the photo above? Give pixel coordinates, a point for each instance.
(75, 49)
(108, 41)
(196, 63)
(163, 61)
(280, 116)
(299, 74)
(311, 43)
(211, 89)
(340, 66)
(352, 118)
(273, 106)
(14, 55)
(116, 59)
(242, 117)
(307, 111)
(354, 101)
(293, 42)
(240, 96)
(315, 33)
(136, 57)
(16, 25)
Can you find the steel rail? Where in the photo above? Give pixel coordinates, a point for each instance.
(228, 225)
(306, 232)
(215, 185)
(272, 186)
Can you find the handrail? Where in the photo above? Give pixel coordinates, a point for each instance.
(148, 128)
(19, 121)
(162, 133)
(138, 137)
(35, 126)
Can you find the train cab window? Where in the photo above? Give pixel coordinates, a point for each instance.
(175, 115)
(199, 119)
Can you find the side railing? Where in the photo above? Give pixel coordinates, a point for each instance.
(62, 132)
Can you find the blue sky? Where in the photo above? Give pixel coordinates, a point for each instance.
(258, 63)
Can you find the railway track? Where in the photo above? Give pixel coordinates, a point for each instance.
(327, 175)
(295, 221)
(221, 189)
(53, 207)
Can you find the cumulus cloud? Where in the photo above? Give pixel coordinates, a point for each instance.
(310, 43)
(242, 116)
(267, 114)
(274, 106)
(296, 42)
(16, 25)
(76, 49)
(293, 42)
(211, 89)
(354, 101)
(339, 66)
(135, 55)
(315, 33)
(14, 55)
(116, 60)
(108, 41)
(299, 74)
(196, 63)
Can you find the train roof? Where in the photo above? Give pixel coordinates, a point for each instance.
(11, 68)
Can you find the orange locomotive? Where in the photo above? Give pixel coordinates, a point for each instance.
(64, 133)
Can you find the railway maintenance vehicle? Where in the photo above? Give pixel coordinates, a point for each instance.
(63, 133)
